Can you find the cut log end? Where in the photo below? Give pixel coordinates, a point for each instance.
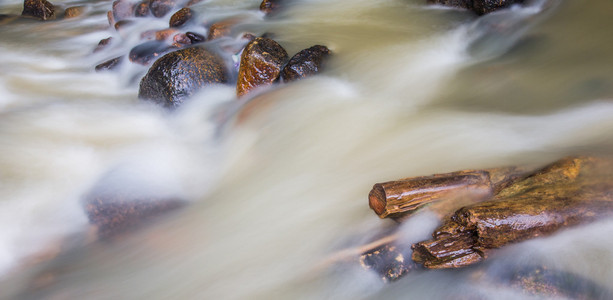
(377, 200)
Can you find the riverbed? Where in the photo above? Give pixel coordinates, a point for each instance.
(410, 90)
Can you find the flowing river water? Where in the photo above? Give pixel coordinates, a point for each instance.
(411, 90)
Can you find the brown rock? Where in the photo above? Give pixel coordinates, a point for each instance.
(121, 25)
(270, 6)
(305, 63)
(109, 16)
(74, 11)
(164, 34)
(180, 40)
(481, 7)
(192, 2)
(109, 64)
(160, 8)
(40, 9)
(102, 44)
(142, 9)
(181, 17)
(260, 65)
(179, 74)
(221, 28)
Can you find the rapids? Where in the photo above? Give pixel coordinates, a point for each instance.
(411, 90)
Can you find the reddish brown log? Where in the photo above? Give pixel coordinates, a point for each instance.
(400, 198)
(569, 192)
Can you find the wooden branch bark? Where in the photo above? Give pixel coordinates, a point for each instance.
(569, 192)
(400, 198)
(483, 210)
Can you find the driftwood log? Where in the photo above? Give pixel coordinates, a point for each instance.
(505, 205)
(400, 198)
(569, 192)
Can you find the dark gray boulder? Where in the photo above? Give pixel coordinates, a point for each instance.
(305, 63)
(179, 74)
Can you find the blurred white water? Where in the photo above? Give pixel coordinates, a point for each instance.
(276, 194)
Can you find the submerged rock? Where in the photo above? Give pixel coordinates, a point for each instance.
(270, 6)
(260, 65)
(40, 9)
(221, 28)
(109, 64)
(305, 63)
(160, 8)
(388, 261)
(103, 44)
(181, 40)
(146, 52)
(121, 26)
(181, 17)
(142, 9)
(114, 214)
(481, 7)
(179, 74)
(6, 19)
(122, 9)
(74, 11)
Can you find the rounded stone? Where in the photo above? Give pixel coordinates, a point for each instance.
(305, 63)
(179, 74)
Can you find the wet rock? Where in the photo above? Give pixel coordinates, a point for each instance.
(270, 6)
(103, 44)
(74, 11)
(248, 36)
(388, 261)
(121, 25)
(119, 213)
(260, 65)
(481, 7)
(158, 35)
(221, 28)
(181, 17)
(180, 40)
(109, 64)
(305, 63)
(192, 2)
(160, 8)
(40, 9)
(147, 52)
(142, 9)
(122, 9)
(195, 38)
(179, 74)
(164, 34)
(109, 16)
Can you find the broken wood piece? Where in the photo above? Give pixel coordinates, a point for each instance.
(568, 192)
(400, 198)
